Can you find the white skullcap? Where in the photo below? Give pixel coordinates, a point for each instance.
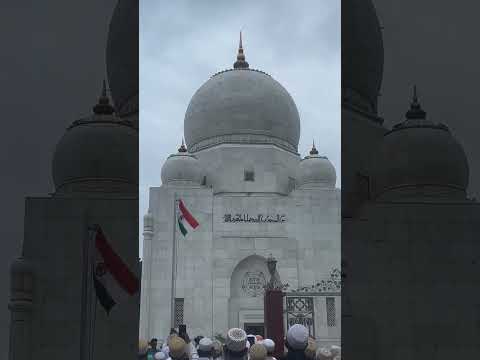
(297, 337)
(166, 349)
(205, 344)
(324, 354)
(335, 350)
(160, 356)
(269, 345)
(236, 339)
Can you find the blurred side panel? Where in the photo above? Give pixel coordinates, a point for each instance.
(70, 173)
(409, 181)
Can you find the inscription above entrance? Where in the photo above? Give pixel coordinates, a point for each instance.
(259, 218)
(253, 283)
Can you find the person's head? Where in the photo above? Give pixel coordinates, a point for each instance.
(251, 339)
(297, 338)
(236, 343)
(142, 347)
(177, 348)
(173, 331)
(197, 339)
(311, 349)
(160, 356)
(335, 350)
(269, 346)
(323, 354)
(217, 349)
(153, 343)
(205, 347)
(257, 352)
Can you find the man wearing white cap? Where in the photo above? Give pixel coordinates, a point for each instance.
(297, 341)
(270, 347)
(160, 356)
(205, 348)
(236, 345)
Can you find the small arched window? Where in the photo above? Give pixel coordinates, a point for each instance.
(249, 175)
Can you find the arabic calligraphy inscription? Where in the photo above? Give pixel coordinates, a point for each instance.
(260, 218)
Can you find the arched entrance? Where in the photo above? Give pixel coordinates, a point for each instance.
(247, 294)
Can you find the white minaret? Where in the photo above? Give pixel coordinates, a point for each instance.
(20, 306)
(146, 271)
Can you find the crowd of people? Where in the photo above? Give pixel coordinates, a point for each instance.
(237, 346)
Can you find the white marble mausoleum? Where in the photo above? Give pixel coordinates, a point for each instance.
(253, 196)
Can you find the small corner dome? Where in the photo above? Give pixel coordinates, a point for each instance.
(316, 171)
(98, 153)
(419, 154)
(183, 168)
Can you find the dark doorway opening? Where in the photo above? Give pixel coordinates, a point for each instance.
(254, 329)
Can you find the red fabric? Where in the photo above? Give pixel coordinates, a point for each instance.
(273, 307)
(119, 270)
(186, 214)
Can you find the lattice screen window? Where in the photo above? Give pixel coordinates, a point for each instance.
(330, 302)
(178, 312)
(249, 175)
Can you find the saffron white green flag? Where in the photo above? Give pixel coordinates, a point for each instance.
(185, 217)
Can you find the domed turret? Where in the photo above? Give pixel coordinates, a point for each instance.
(362, 55)
(420, 158)
(315, 171)
(242, 106)
(97, 153)
(182, 168)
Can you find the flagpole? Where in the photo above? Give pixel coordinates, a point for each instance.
(85, 336)
(92, 327)
(174, 259)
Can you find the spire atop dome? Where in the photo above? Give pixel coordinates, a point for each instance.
(103, 106)
(240, 63)
(314, 150)
(416, 111)
(182, 148)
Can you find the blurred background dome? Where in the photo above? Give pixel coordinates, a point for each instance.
(420, 156)
(97, 153)
(122, 57)
(362, 54)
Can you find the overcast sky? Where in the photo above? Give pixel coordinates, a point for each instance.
(183, 43)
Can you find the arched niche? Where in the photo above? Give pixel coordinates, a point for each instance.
(247, 283)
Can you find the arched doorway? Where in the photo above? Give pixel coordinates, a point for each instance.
(247, 294)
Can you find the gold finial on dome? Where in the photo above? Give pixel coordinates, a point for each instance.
(314, 150)
(240, 63)
(103, 106)
(416, 111)
(182, 148)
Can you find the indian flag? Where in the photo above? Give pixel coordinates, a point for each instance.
(112, 278)
(184, 216)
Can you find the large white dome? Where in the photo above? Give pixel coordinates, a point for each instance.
(241, 106)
